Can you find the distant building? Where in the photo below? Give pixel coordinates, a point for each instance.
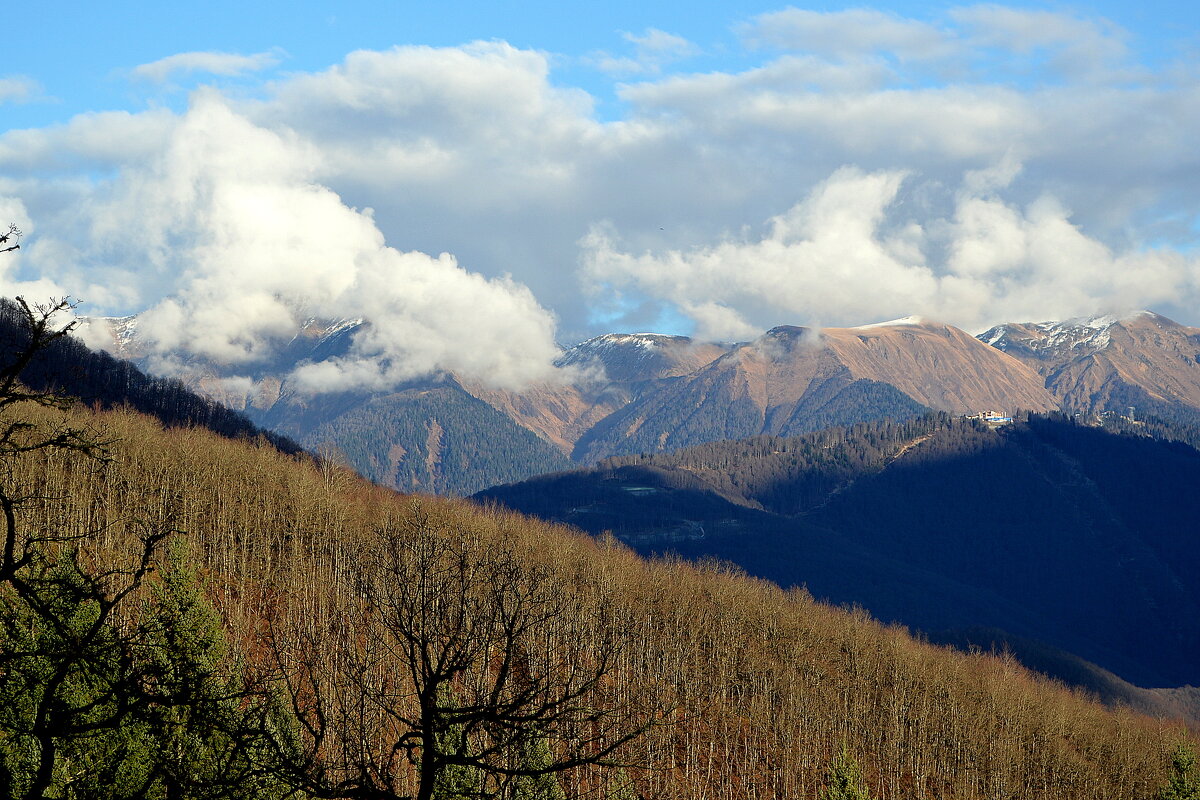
(994, 418)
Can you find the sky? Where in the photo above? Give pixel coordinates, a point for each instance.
(487, 181)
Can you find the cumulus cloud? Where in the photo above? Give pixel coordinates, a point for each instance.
(209, 62)
(250, 246)
(847, 254)
(720, 199)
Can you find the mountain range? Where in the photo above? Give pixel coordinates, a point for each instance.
(642, 392)
(1063, 542)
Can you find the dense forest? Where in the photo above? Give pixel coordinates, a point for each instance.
(792, 474)
(187, 615)
(434, 438)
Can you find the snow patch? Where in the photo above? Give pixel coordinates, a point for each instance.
(909, 320)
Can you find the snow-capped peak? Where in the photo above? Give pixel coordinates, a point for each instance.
(912, 319)
(1077, 333)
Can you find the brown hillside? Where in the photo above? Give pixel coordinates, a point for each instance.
(763, 686)
(609, 372)
(939, 366)
(1090, 365)
(785, 380)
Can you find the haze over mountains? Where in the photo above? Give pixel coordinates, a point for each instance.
(642, 392)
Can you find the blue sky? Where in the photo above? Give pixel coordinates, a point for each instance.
(521, 174)
(84, 65)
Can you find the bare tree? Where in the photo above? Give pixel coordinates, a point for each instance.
(14, 236)
(33, 328)
(60, 609)
(458, 657)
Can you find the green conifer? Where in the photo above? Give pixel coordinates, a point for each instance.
(844, 780)
(1184, 783)
(535, 755)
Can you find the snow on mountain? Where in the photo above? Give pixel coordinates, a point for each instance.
(626, 357)
(1140, 360)
(912, 319)
(1075, 335)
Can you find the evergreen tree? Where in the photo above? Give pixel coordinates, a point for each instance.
(620, 787)
(69, 723)
(844, 780)
(455, 781)
(535, 755)
(1184, 783)
(210, 729)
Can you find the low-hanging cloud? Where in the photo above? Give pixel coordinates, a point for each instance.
(253, 247)
(847, 254)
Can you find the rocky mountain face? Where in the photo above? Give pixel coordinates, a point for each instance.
(601, 375)
(1140, 361)
(792, 380)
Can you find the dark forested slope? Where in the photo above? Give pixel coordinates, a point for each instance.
(432, 437)
(68, 367)
(1047, 529)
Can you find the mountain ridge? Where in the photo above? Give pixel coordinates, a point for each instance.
(645, 392)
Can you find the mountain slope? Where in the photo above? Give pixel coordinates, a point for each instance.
(793, 380)
(606, 373)
(762, 687)
(68, 367)
(1048, 530)
(432, 437)
(1143, 360)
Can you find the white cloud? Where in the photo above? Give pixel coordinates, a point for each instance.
(846, 254)
(1078, 46)
(990, 40)
(246, 246)
(849, 33)
(209, 62)
(971, 200)
(18, 89)
(653, 50)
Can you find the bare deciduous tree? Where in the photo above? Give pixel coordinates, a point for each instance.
(457, 656)
(14, 236)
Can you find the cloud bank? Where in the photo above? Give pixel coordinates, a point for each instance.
(847, 253)
(985, 165)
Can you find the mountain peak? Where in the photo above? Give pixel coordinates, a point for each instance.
(1073, 335)
(639, 356)
(912, 319)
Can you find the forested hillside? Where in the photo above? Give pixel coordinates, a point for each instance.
(1047, 529)
(433, 438)
(66, 365)
(204, 617)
